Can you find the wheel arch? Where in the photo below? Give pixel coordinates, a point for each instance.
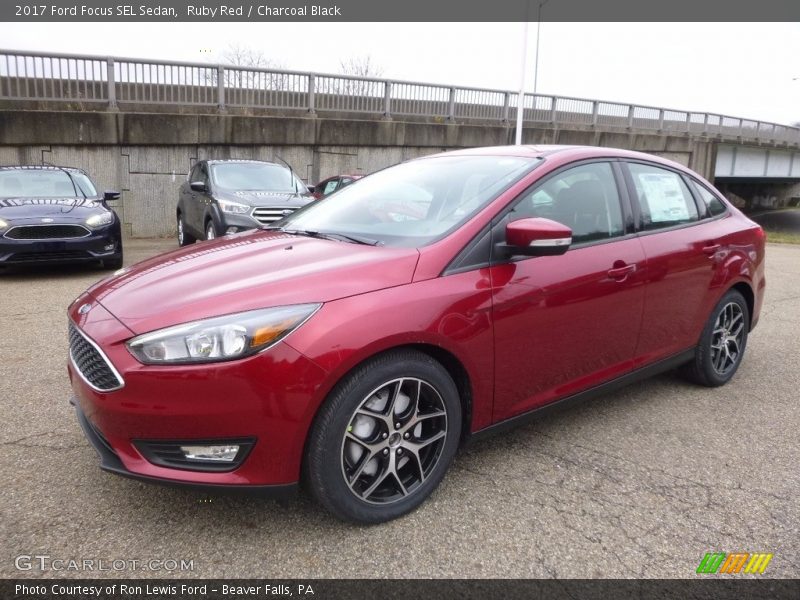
(449, 361)
(745, 289)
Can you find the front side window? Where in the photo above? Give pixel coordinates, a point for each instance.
(413, 203)
(714, 205)
(664, 200)
(584, 198)
(330, 186)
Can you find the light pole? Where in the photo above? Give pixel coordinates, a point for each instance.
(521, 96)
(523, 75)
(536, 55)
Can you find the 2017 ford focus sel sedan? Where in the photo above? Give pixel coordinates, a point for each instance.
(355, 344)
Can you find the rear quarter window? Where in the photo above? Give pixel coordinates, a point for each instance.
(714, 205)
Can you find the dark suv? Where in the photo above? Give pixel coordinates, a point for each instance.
(56, 214)
(227, 196)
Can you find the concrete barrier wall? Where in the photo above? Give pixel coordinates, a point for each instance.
(146, 155)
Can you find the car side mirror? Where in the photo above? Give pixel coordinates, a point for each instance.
(537, 237)
(110, 195)
(311, 189)
(198, 186)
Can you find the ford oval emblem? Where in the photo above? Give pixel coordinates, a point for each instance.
(84, 309)
(47, 220)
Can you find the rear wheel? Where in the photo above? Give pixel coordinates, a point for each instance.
(722, 344)
(384, 438)
(184, 238)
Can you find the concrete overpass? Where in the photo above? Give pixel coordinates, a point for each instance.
(137, 126)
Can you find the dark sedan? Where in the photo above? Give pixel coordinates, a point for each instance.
(227, 196)
(56, 214)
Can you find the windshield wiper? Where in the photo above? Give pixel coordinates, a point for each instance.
(332, 236)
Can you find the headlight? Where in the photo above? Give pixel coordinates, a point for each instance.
(3, 224)
(233, 207)
(220, 338)
(105, 218)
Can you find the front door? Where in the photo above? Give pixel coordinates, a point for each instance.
(566, 323)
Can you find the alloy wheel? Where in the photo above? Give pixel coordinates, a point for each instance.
(726, 338)
(180, 231)
(394, 440)
(210, 234)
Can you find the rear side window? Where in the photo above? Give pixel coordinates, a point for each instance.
(714, 205)
(584, 198)
(663, 197)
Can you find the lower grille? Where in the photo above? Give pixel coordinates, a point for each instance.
(47, 256)
(47, 232)
(271, 214)
(91, 363)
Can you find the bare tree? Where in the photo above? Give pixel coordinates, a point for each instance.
(359, 66)
(247, 72)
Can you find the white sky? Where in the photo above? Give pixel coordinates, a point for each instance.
(738, 69)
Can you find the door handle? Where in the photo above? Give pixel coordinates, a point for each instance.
(711, 249)
(620, 273)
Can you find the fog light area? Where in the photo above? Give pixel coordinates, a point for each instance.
(225, 453)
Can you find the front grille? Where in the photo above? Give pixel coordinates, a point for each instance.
(47, 232)
(271, 214)
(92, 365)
(47, 256)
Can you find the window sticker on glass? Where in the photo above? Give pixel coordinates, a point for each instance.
(664, 197)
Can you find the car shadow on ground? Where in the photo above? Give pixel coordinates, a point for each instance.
(22, 273)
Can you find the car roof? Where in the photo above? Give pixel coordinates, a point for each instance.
(40, 168)
(565, 153)
(219, 161)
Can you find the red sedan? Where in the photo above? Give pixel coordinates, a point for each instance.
(356, 344)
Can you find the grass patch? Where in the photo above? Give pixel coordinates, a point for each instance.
(782, 237)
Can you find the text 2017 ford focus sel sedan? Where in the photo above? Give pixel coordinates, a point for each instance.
(357, 345)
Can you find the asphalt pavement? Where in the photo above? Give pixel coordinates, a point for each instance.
(639, 483)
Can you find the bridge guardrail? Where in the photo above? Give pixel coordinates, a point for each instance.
(108, 81)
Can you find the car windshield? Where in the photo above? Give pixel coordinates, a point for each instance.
(44, 183)
(414, 203)
(255, 176)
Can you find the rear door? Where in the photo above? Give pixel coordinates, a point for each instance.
(566, 323)
(681, 251)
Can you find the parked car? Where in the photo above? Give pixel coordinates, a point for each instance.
(359, 351)
(327, 186)
(56, 215)
(227, 196)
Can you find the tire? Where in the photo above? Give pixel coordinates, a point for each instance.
(211, 231)
(359, 419)
(722, 343)
(184, 237)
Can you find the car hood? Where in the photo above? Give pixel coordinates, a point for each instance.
(264, 198)
(255, 269)
(61, 210)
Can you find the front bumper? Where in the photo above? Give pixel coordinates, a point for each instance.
(85, 249)
(109, 461)
(270, 398)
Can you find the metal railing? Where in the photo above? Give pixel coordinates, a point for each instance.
(110, 81)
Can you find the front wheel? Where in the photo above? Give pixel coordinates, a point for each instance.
(722, 343)
(384, 438)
